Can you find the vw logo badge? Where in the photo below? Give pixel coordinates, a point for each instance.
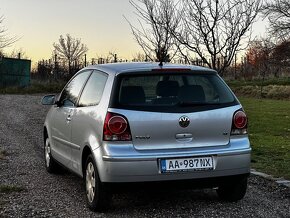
(184, 121)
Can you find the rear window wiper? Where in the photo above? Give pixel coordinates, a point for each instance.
(194, 103)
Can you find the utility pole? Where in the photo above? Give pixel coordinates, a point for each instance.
(85, 60)
(55, 67)
(235, 72)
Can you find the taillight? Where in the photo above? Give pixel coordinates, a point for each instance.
(240, 122)
(116, 128)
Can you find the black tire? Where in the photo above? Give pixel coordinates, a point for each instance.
(97, 193)
(50, 164)
(233, 190)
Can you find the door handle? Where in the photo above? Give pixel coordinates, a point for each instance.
(68, 118)
(183, 136)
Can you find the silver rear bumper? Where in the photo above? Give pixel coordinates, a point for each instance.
(122, 163)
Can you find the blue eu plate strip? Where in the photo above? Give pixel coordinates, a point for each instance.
(163, 165)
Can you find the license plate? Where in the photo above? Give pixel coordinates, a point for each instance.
(185, 164)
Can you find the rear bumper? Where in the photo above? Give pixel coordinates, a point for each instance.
(145, 167)
(177, 184)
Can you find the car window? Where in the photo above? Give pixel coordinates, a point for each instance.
(93, 90)
(214, 88)
(171, 91)
(211, 93)
(69, 95)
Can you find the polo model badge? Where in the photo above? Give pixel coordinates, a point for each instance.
(143, 137)
(184, 121)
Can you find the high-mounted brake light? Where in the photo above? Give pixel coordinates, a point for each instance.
(116, 128)
(171, 69)
(239, 124)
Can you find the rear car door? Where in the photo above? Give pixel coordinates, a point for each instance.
(62, 116)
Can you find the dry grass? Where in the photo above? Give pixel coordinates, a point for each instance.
(281, 92)
(10, 188)
(3, 154)
(277, 92)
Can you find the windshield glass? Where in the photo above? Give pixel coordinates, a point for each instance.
(168, 90)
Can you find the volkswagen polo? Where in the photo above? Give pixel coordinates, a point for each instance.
(146, 122)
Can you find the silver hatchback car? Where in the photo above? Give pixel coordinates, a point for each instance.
(142, 122)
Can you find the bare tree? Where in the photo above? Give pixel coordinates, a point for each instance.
(110, 57)
(281, 54)
(278, 13)
(215, 29)
(18, 53)
(5, 39)
(69, 49)
(153, 34)
(113, 57)
(139, 57)
(259, 58)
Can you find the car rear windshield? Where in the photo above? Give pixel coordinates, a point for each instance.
(171, 92)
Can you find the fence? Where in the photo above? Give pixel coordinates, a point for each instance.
(14, 72)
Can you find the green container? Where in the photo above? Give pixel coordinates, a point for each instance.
(14, 72)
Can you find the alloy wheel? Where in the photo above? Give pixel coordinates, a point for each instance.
(47, 153)
(90, 182)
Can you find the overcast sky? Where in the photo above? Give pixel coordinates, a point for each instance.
(99, 23)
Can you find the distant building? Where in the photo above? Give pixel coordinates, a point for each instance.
(14, 72)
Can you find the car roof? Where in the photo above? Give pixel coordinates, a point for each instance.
(116, 68)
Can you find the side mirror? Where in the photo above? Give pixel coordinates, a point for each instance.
(48, 100)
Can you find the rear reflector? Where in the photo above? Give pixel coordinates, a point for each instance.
(116, 128)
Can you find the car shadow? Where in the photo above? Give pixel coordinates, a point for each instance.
(143, 197)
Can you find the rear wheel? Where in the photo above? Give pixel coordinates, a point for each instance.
(234, 190)
(50, 164)
(98, 195)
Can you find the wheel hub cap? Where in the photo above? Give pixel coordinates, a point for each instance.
(90, 182)
(47, 153)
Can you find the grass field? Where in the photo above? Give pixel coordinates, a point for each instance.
(35, 87)
(269, 130)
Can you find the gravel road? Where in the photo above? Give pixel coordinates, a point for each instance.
(62, 195)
